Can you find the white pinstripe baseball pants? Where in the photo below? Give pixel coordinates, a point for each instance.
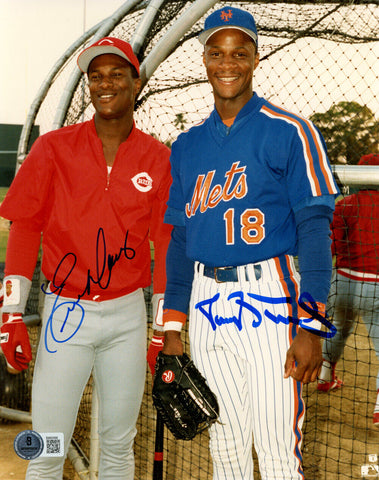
(244, 366)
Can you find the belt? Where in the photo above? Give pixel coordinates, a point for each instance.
(233, 274)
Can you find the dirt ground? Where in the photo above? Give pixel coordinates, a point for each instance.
(12, 467)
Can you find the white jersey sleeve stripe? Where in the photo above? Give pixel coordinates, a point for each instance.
(324, 164)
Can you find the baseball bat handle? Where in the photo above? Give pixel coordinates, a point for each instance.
(158, 454)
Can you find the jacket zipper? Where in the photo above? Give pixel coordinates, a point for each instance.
(108, 180)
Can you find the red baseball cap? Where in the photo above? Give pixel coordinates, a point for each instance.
(107, 45)
(370, 159)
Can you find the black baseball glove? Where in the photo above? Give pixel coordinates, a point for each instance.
(182, 396)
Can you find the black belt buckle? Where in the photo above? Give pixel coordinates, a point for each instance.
(226, 274)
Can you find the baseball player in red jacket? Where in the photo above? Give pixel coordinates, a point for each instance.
(97, 193)
(355, 286)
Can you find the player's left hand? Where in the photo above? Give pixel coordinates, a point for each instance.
(304, 357)
(155, 347)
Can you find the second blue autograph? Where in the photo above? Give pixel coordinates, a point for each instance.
(244, 307)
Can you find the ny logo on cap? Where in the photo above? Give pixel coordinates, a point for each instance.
(226, 16)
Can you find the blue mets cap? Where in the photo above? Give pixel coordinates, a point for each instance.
(229, 17)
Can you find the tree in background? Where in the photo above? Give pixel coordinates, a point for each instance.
(350, 131)
(180, 121)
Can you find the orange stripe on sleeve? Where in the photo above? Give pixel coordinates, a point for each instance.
(305, 140)
(170, 315)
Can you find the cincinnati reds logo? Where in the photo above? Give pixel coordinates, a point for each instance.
(205, 196)
(143, 182)
(226, 16)
(168, 376)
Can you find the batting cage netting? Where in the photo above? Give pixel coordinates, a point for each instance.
(318, 59)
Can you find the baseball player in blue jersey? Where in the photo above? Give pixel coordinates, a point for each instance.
(252, 188)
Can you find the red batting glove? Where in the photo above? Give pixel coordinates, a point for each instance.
(15, 342)
(155, 347)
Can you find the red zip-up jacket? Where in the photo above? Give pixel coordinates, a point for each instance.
(355, 233)
(95, 225)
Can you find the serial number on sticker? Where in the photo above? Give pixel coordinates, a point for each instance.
(53, 445)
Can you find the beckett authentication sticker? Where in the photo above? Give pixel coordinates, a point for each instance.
(28, 444)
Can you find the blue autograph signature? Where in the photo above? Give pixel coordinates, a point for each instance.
(101, 277)
(305, 301)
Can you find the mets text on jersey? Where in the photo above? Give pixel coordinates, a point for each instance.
(206, 196)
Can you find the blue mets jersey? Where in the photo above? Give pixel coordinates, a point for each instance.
(236, 189)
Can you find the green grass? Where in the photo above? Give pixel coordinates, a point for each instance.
(3, 245)
(3, 232)
(3, 191)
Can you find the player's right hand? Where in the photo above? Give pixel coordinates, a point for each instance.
(15, 342)
(173, 344)
(173, 320)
